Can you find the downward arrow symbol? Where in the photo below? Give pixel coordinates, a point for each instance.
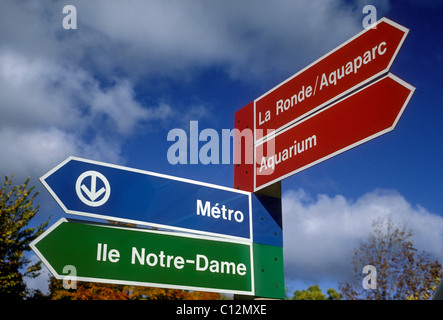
(93, 194)
(90, 195)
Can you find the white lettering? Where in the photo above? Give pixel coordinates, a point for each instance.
(367, 57)
(241, 269)
(70, 280)
(282, 105)
(152, 259)
(206, 210)
(279, 106)
(349, 68)
(357, 64)
(371, 18)
(263, 164)
(180, 147)
(201, 262)
(198, 266)
(370, 281)
(140, 256)
(179, 262)
(209, 152)
(352, 67)
(271, 163)
(324, 81)
(333, 78)
(70, 21)
(267, 117)
(114, 256)
(102, 253)
(238, 216)
(227, 267)
(216, 212)
(384, 51)
(292, 151)
(151, 262)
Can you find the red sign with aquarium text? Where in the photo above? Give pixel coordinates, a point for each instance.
(360, 117)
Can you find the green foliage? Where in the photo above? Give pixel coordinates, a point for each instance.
(333, 295)
(16, 211)
(314, 293)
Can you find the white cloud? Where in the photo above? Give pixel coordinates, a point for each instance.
(51, 109)
(33, 152)
(320, 233)
(36, 91)
(249, 39)
(74, 90)
(60, 110)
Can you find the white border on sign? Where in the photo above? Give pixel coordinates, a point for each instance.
(141, 283)
(144, 223)
(344, 93)
(390, 75)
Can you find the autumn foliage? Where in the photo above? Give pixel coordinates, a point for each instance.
(102, 291)
(403, 272)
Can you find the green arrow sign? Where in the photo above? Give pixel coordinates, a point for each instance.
(129, 256)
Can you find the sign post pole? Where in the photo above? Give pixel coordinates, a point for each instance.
(268, 259)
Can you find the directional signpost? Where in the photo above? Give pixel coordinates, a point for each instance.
(353, 64)
(100, 190)
(342, 100)
(130, 256)
(233, 241)
(360, 117)
(225, 249)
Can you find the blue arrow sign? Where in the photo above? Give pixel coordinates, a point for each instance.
(99, 190)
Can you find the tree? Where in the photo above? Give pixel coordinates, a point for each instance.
(314, 293)
(401, 271)
(16, 211)
(149, 293)
(86, 291)
(104, 291)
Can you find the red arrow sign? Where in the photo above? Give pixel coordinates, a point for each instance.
(360, 117)
(358, 61)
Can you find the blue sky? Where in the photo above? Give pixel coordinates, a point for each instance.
(112, 89)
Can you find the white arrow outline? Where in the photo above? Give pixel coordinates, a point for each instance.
(90, 214)
(92, 193)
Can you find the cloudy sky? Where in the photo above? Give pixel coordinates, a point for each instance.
(113, 88)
